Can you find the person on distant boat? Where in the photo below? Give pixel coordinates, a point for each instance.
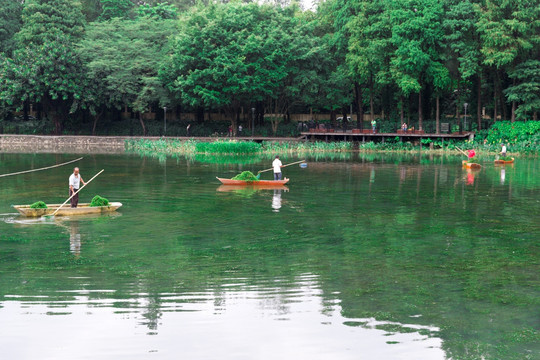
(503, 150)
(74, 182)
(277, 165)
(471, 155)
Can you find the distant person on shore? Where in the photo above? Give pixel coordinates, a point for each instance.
(503, 150)
(230, 130)
(75, 181)
(240, 128)
(404, 127)
(277, 165)
(373, 125)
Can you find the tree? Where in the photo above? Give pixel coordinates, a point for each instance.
(510, 33)
(122, 59)
(462, 41)
(336, 15)
(115, 9)
(370, 47)
(45, 68)
(10, 24)
(91, 9)
(526, 89)
(227, 55)
(158, 11)
(416, 31)
(45, 21)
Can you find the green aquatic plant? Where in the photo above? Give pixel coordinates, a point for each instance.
(99, 201)
(505, 158)
(246, 176)
(38, 205)
(228, 147)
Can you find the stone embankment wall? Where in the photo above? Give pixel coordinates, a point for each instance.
(67, 144)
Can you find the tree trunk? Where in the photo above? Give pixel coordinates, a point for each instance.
(142, 123)
(498, 89)
(200, 115)
(401, 110)
(513, 115)
(371, 108)
(458, 100)
(437, 114)
(494, 105)
(333, 118)
(96, 118)
(479, 103)
(420, 113)
(359, 107)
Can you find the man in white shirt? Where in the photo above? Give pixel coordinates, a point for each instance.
(503, 150)
(74, 181)
(276, 164)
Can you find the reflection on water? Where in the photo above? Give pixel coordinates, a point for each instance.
(276, 200)
(74, 238)
(235, 320)
(470, 176)
(377, 257)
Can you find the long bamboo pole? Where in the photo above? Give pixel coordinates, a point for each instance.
(45, 168)
(297, 162)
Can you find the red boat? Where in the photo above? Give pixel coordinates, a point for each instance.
(277, 183)
(504, 161)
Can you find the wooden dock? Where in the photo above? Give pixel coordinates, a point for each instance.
(380, 137)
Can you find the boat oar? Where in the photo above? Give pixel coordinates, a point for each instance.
(294, 163)
(75, 193)
(463, 152)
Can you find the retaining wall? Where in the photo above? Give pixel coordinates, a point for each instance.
(67, 144)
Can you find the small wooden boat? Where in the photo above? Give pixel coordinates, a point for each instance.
(226, 188)
(501, 162)
(66, 210)
(470, 165)
(253, 183)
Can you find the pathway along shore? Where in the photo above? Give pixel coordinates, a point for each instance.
(84, 144)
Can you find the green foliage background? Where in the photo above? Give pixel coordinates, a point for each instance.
(85, 65)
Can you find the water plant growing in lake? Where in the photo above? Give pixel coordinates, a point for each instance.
(228, 147)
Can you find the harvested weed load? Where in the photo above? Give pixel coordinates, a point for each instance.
(506, 158)
(38, 205)
(99, 201)
(246, 176)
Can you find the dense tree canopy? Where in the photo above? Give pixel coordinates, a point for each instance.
(400, 60)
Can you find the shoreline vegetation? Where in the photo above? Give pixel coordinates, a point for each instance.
(521, 138)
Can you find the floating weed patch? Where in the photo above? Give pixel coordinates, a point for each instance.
(99, 201)
(228, 147)
(246, 176)
(38, 205)
(306, 147)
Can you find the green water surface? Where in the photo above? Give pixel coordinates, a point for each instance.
(360, 257)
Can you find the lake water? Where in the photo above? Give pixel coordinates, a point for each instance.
(360, 257)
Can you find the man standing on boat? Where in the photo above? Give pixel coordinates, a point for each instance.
(277, 165)
(503, 150)
(74, 182)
